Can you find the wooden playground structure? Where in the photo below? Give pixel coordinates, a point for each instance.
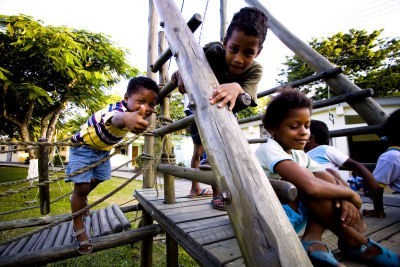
(254, 231)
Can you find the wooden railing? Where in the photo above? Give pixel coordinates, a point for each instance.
(221, 136)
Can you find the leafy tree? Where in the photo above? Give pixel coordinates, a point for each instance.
(45, 69)
(176, 106)
(252, 111)
(370, 61)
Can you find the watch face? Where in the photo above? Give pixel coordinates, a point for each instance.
(246, 98)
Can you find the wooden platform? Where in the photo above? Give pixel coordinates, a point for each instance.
(99, 223)
(206, 233)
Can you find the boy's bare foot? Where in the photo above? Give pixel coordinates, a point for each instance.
(205, 192)
(373, 213)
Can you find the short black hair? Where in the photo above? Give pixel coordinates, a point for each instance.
(141, 81)
(251, 21)
(279, 107)
(391, 128)
(319, 130)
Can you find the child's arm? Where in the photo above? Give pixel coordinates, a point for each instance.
(176, 77)
(350, 214)
(360, 170)
(133, 121)
(306, 182)
(226, 94)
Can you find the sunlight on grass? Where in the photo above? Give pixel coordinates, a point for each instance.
(128, 255)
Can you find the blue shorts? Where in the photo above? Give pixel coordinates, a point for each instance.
(83, 156)
(297, 219)
(194, 132)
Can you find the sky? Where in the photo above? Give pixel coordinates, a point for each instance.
(126, 23)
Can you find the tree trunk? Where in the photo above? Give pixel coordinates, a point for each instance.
(24, 129)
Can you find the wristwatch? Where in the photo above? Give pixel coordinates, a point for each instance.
(246, 98)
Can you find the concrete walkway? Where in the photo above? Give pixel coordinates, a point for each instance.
(179, 183)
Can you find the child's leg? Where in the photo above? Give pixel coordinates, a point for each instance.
(94, 183)
(196, 190)
(314, 231)
(78, 202)
(377, 198)
(197, 152)
(329, 216)
(318, 252)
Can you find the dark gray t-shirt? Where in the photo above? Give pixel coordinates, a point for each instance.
(248, 80)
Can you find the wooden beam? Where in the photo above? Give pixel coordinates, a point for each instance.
(14, 224)
(285, 191)
(176, 125)
(251, 200)
(193, 24)
(149, 175)
(43, 166)
(69, 251)
(367, 108)
(349, 98)
(222, 18)
(373, 129)
(306, 80)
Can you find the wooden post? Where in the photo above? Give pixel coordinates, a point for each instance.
(169, 187)
(146, 252)
(43, 168)
(263, 231)
(146, 259)
(367, 108)
(193, 24)
(222, 16)
(149, 174)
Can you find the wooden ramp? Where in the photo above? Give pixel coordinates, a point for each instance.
(100, 223)
(206, 233)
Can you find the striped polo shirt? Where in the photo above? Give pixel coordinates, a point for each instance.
(98, 132)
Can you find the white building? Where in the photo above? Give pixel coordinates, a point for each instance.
(363, 148)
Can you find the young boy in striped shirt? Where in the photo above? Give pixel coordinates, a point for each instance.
(101, 132)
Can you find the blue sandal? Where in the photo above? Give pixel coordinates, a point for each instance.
(320, 258)
(387, 258)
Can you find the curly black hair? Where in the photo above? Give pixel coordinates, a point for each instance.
(320, 131)
(141, 81)
(251, 21)
(280, 106)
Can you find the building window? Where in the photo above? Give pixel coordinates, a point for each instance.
(353, 119)
(178, 147)
(3, 148)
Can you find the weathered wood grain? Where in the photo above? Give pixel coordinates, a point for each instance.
(96, 224)
(235, 166)
(121, 217)
(113, 220)
(105, 228)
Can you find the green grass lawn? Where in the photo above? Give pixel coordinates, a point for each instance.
(128, 255)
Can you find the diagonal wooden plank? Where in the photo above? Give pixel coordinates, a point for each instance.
(184, 202)
(52, 237)
(211, 235)
(197, 225)
(223, 252)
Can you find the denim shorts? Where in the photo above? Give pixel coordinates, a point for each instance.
(297, 219)
(194, 132)
(83, 156)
